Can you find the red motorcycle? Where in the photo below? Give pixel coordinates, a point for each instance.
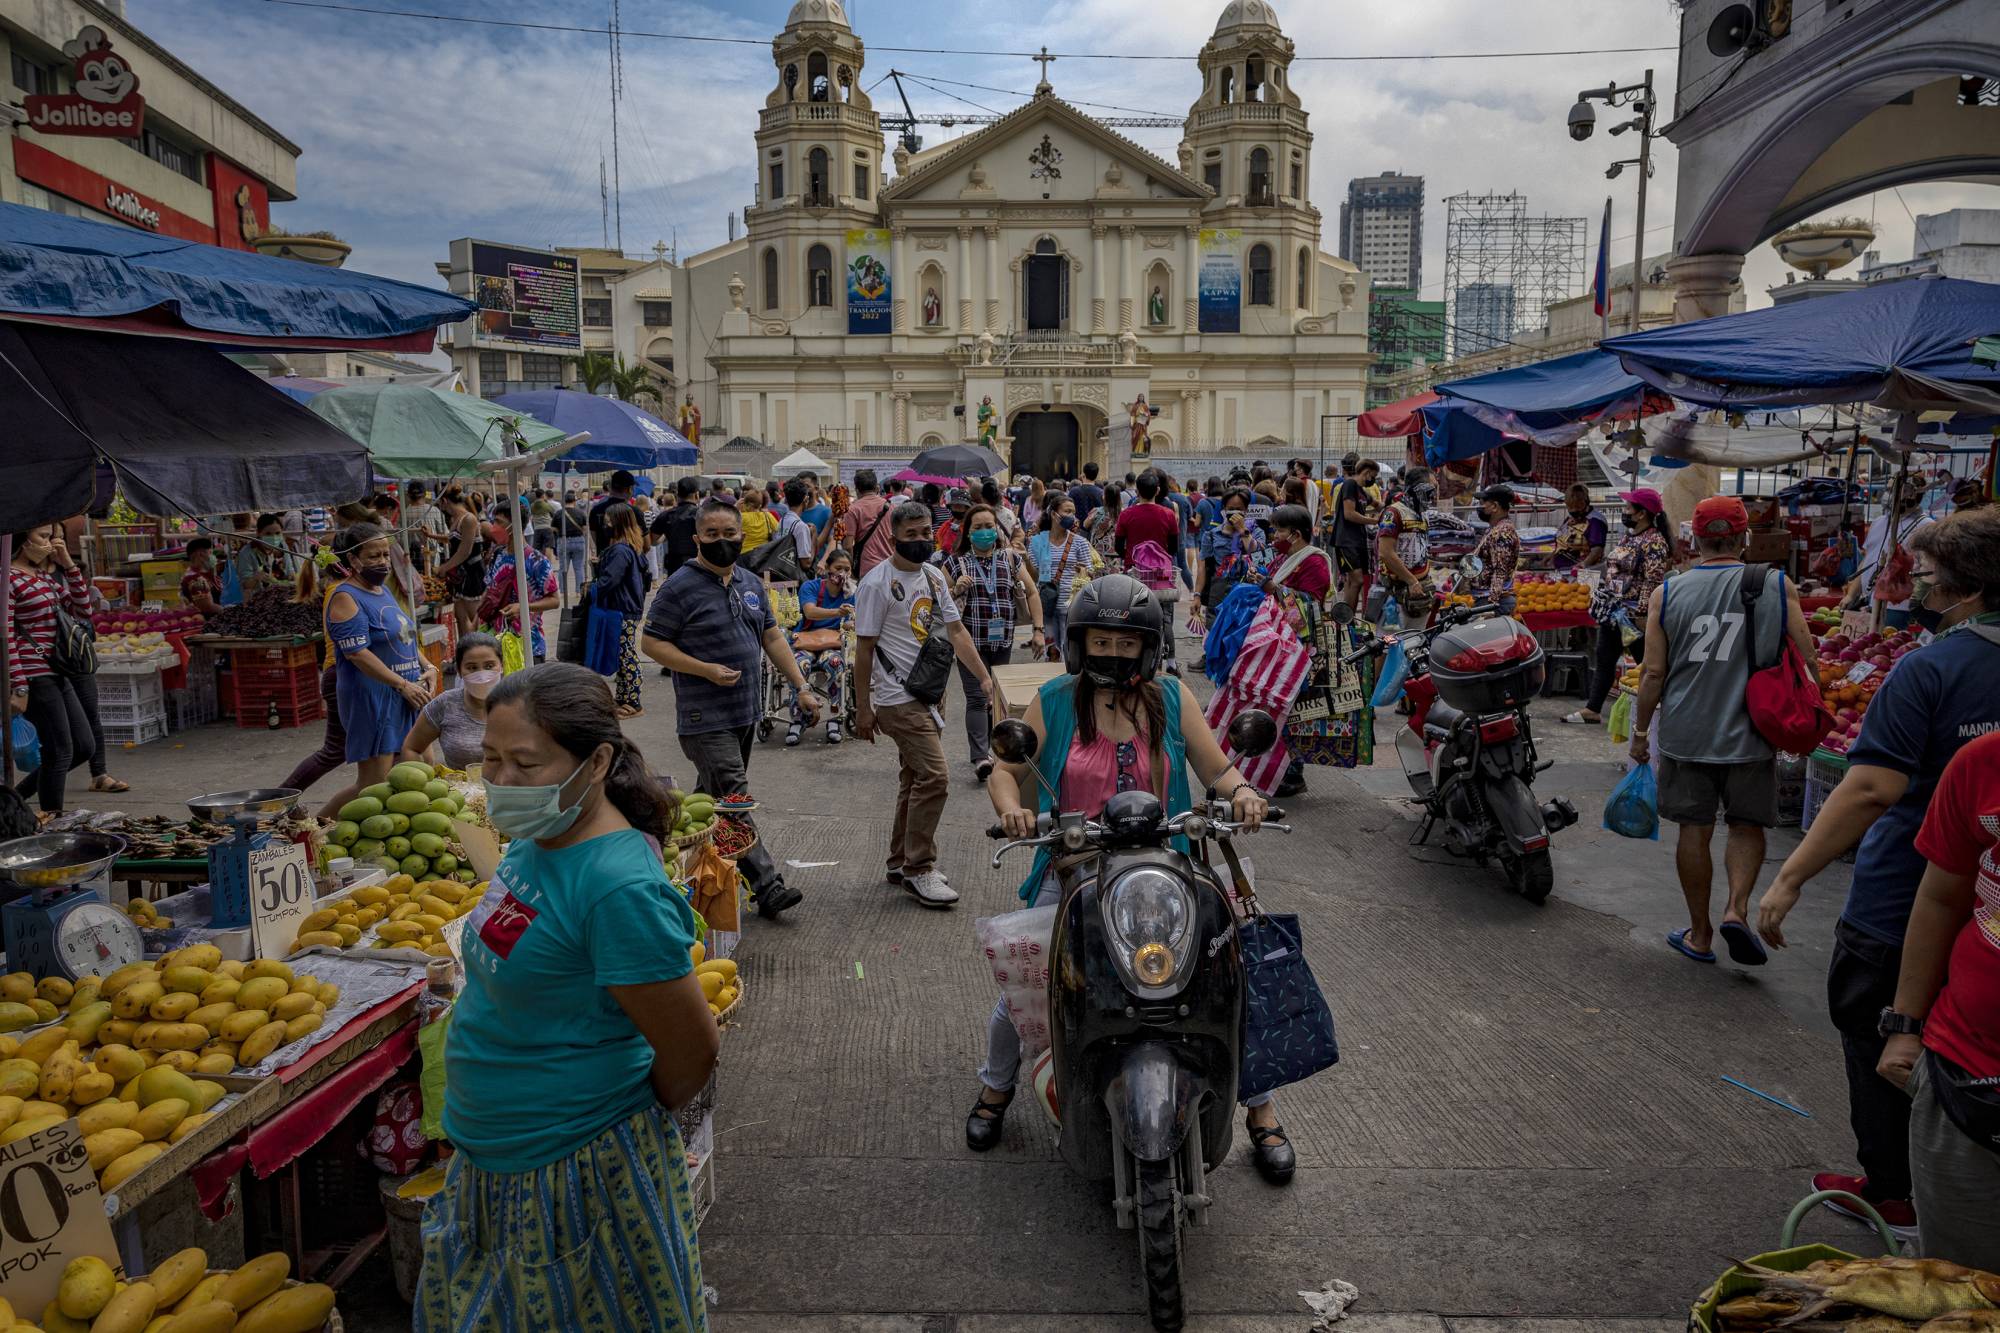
(1469, 750)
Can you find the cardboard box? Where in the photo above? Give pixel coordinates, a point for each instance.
(1768, 548)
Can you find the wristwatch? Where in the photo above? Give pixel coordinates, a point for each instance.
(1893, 1024)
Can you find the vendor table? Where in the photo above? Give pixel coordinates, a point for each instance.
(143, 877)
(1015, 683)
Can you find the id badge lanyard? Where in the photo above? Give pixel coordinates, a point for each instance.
(989, 582)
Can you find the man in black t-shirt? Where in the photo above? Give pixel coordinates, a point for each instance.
(1087, 495)
(673, 527)
(620, 493)
(1354, 510)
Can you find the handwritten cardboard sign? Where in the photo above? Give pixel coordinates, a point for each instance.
(281, 896)
(1857, 624)
(51, 1212)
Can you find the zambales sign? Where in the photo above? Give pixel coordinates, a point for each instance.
(104, 100)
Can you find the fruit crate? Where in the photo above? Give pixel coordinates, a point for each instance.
(128, 714)
(119, 686)
(142, 732)
(118, 543)
(1824, 770)
(248, 689)
(257, 713)
(276, 655)
(189, 708)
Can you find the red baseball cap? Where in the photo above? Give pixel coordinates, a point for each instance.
(1721, 516)
(1645, 498)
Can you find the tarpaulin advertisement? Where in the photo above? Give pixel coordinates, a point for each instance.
(868, 282)
(1221, 281)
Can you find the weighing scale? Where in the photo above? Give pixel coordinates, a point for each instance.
(65, 926)
(229, 862)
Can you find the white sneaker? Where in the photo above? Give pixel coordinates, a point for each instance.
(931, 889)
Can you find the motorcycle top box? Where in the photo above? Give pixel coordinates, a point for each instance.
(1487, 666)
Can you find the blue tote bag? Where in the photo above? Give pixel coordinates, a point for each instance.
(601, 640)
(1287, 1027)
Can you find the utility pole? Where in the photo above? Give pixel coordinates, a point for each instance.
(1645, 170)
(617, 87)
(1583, 119)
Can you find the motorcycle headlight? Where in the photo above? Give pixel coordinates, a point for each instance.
(1149, 915)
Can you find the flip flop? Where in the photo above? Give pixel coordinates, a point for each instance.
(1577, 719)
(1678, 940)
(106, 782)
(1744, 946)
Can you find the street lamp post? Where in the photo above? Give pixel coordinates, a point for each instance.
(1583, 118)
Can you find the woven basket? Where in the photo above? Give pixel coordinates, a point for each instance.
(683, 841)
(734, 1004)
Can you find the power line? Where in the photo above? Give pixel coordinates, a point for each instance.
(1015, 92)
(589, 30)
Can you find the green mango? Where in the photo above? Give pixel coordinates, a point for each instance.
(367, 849)
(431, 821)
(427, 844)
(445, 806)
(437, 788)
(378, 826)
(408, 803)
(397, 847)
(465, 876)
(443, 864)
(410, 776)
(332, 852)
(360, 808)
(344, 832)
(398, 824)
(381, 791)
(416, 867)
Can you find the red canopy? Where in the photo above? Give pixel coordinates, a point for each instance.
(1393, 419)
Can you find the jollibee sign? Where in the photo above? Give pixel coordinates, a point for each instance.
(105, 100)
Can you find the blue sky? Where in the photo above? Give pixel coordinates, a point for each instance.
(415, 131)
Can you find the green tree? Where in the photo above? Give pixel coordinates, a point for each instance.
(635, 383)
(595, 371)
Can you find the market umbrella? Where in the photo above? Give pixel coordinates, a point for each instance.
(1393, 419)
(621, 435)
(954, 461)
(1908, 345)
(917, 478)
(57, 269)
(413, 431)
(186, 430)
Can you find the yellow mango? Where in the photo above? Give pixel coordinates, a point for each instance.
(304, 982)
(262, 992)
(177, 1276)
(723, 967)
(123, 1168)
(330, 939)
(21, 1129)
(431, 923)
(239, 1025)
(34, 1109)
(209, 1316)
(85, 1025)
(42, 1009)
(9, 1047)
(174, 1006)
(124, 977)
(323, 919)
(215, 1062)
(108, 1145)
(397, 932)
(158, 1120)
(10, 1110)
(185, 980)
(118, 1032)
(187, 1126)
(18, 1082)
(350, 934)
(178, 1036)
(328, 994)
(231, 968)
(298, 1309)
(55, 1321)
(298, 1002)
(207, 1093)
(129, 1311)
(222, 990)
(255, 1280)
(211, 1016)
(121, 1062)
(133, 1001)
(401, 910)
(300, 1026)
(18, 987)
(91, 1087)
(261, 1043)
(696, 953)
(56, 990)
(268, 967)
(104, 1115)
(39, 1047)
(84, 992)
(711, 984)
(86, 1287)
(372, 896)
(204, 956)
(399, 883)
(204, 1291)
(182, 1061)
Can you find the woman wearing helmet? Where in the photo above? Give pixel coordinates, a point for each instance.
(1110, 725)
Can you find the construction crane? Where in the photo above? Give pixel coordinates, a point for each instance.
(906, 124)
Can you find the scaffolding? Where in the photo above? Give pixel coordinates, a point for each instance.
(1504, 268)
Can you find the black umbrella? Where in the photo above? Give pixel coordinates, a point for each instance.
(959, 460)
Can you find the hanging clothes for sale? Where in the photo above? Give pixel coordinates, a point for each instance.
(1330, 722)
(1268, 673)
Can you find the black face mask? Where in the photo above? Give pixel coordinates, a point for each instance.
(1631, 523)
(372, 575)
(1111, 670)
(721, 552)
(1424, 494)
(916, 550)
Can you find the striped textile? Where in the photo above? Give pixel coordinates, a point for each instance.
(32, 611)
(602, 1241)
(1269, 672)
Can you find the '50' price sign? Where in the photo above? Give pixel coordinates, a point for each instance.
(50, 1213)
(281, 895)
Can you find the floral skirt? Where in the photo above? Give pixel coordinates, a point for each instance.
(602, 1241)
(625, 686)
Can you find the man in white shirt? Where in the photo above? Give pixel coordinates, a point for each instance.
(1874, 551)
(897, 607)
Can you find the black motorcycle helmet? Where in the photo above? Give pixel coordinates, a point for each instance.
(1115, 602)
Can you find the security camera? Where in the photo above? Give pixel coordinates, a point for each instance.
(1582, 120)
(1612, 172)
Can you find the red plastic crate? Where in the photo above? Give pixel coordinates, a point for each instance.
(256, 713)
(276, 677)
(276, 655)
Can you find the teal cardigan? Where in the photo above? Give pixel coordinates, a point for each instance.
(1058, 698)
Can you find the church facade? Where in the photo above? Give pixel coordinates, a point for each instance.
(1043, 283)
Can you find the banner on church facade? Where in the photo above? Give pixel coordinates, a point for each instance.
(1221, 280)
(868, 281)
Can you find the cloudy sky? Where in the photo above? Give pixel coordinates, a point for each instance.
(416, 131)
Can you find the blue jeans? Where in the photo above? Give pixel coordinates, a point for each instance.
(571, 556)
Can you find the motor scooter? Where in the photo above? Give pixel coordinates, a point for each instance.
(1146, 1001)
(1469, 749)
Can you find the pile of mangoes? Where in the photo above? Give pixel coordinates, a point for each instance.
(400, 912)
(696, 812)
(719, 983)
(402, 826)
(146, 916)
(182, 1296)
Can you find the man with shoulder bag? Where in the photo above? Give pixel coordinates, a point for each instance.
(900, 607)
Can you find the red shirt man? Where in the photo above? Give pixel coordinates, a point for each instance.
(1960, 834)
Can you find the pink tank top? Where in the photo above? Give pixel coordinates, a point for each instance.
(1101, 769)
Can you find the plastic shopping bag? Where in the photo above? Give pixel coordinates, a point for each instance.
(1392, 615)
(513, 657)
(1395, 668)
(1618, 723)
(1633, 810)
(1016, 947)
(27, 747)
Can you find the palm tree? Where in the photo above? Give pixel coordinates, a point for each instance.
(633, 383)
(595, 371)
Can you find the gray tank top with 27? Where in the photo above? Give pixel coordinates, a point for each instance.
(1709, 660)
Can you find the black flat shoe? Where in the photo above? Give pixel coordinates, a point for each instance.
(986, 1120)
(1290, 787)
(777, 897)
(1272, 1152)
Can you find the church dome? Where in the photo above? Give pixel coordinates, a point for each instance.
(817, 11)
(1246, 14)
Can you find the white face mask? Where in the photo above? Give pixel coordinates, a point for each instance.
(479, 684)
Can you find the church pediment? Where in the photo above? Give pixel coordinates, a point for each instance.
(1045, 150)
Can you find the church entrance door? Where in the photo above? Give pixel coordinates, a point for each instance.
(1045, 445)
(1045, 281)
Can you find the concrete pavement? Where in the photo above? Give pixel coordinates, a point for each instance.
(1528, 1121)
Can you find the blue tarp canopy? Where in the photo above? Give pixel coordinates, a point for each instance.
(64, 270)
(1549, 402)
(1906, 345)
(621, 435)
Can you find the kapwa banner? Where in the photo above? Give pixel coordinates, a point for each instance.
(868, 282)
(1221, 281)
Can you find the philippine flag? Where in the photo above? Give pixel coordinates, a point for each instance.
(1600, 280)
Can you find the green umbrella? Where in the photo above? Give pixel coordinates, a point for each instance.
(413, 431)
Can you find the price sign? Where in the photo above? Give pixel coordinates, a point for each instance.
(50, 1213)
(1857, 673)
(1857, 624)
(281, 895)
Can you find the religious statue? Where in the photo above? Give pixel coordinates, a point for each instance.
(989, 424)
(1142, 438)
(1156, 306)
(933, 308)
(690, 421)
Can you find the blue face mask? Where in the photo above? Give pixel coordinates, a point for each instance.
(984, 538)
(532, 812)
(1068, 522)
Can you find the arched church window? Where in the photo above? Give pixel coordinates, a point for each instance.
(1253, 80)
(819, 188)
(819, 276)
(1305, 278)
(1260, 276)
(819, 88)
(770, 277)
(1228, 94)
(1260, 177)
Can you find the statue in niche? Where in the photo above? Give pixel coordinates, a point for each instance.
(933, 308)
(1156, 306)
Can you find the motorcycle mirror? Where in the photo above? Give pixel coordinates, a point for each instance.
(1014, 741)
(1252, 733)
(1341, 614)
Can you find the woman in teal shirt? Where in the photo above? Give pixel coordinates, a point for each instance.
(567, 1205)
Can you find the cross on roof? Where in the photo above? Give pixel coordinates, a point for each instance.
(1044, 60)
